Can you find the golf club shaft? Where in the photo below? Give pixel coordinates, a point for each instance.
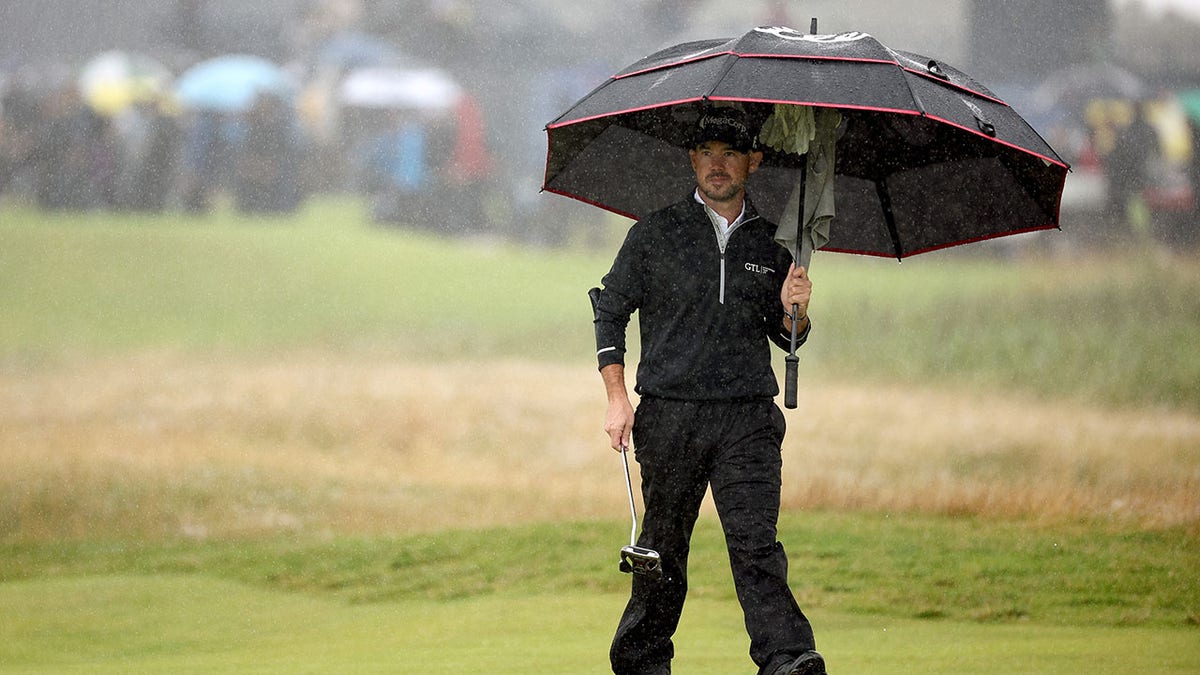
(632, 507)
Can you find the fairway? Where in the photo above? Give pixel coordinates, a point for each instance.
(198, 624)
(307, 445)
(302, 304)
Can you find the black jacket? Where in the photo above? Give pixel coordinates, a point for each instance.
(705, 315)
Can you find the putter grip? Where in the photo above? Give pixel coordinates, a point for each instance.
(594, 296)
(790, 376)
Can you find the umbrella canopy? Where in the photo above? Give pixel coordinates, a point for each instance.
(349, 50)
(926, 157)
(112, 81)
(1190, 100)
(231, 83)
(399, 88)
(1074, 86)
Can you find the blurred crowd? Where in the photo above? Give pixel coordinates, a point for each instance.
(1134, 150)
(124, 134)
(433, 111)
(147, 156)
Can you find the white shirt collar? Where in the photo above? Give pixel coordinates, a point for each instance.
(718, 218)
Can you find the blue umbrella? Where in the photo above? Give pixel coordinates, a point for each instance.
(354, 50)
(231, 83)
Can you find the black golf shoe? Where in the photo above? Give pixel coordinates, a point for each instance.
(809, 663)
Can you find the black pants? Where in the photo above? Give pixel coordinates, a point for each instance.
(683, 448)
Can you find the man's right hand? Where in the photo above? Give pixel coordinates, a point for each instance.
(618, 423)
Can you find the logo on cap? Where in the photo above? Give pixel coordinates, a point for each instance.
(728, 126)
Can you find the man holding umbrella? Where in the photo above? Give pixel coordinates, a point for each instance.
(711, 288)
(926, 158)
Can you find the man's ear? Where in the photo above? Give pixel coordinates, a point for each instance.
(756, 157)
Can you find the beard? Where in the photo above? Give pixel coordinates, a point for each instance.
(721, 194)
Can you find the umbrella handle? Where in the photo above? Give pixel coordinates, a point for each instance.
(790, 379)
(791, 373)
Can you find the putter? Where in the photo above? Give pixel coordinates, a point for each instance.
(634, 558)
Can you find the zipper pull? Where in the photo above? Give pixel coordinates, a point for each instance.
(722, 293)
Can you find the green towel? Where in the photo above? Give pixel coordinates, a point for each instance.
(813, 132)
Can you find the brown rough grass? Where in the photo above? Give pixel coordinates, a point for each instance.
(162, 445)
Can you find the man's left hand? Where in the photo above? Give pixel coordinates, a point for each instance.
(796, 291)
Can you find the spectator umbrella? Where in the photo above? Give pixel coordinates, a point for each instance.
(231, 83)
(386, 87)
(112, 81)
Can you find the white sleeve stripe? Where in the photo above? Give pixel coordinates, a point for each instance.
(606, 349)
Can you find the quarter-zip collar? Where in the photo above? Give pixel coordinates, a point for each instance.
(723, 228)
(724, 231)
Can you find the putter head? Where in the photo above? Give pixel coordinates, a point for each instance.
(638, 560)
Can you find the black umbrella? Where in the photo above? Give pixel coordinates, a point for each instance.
(1072, 88)
(926, 157)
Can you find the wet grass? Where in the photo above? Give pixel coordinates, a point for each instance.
(1118, 330)
(231, 436)
(899, 566)
(1103, 329)
(102, 284)
(194, 623)
(316, 441)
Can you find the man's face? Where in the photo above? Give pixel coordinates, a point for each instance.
(721, 171)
